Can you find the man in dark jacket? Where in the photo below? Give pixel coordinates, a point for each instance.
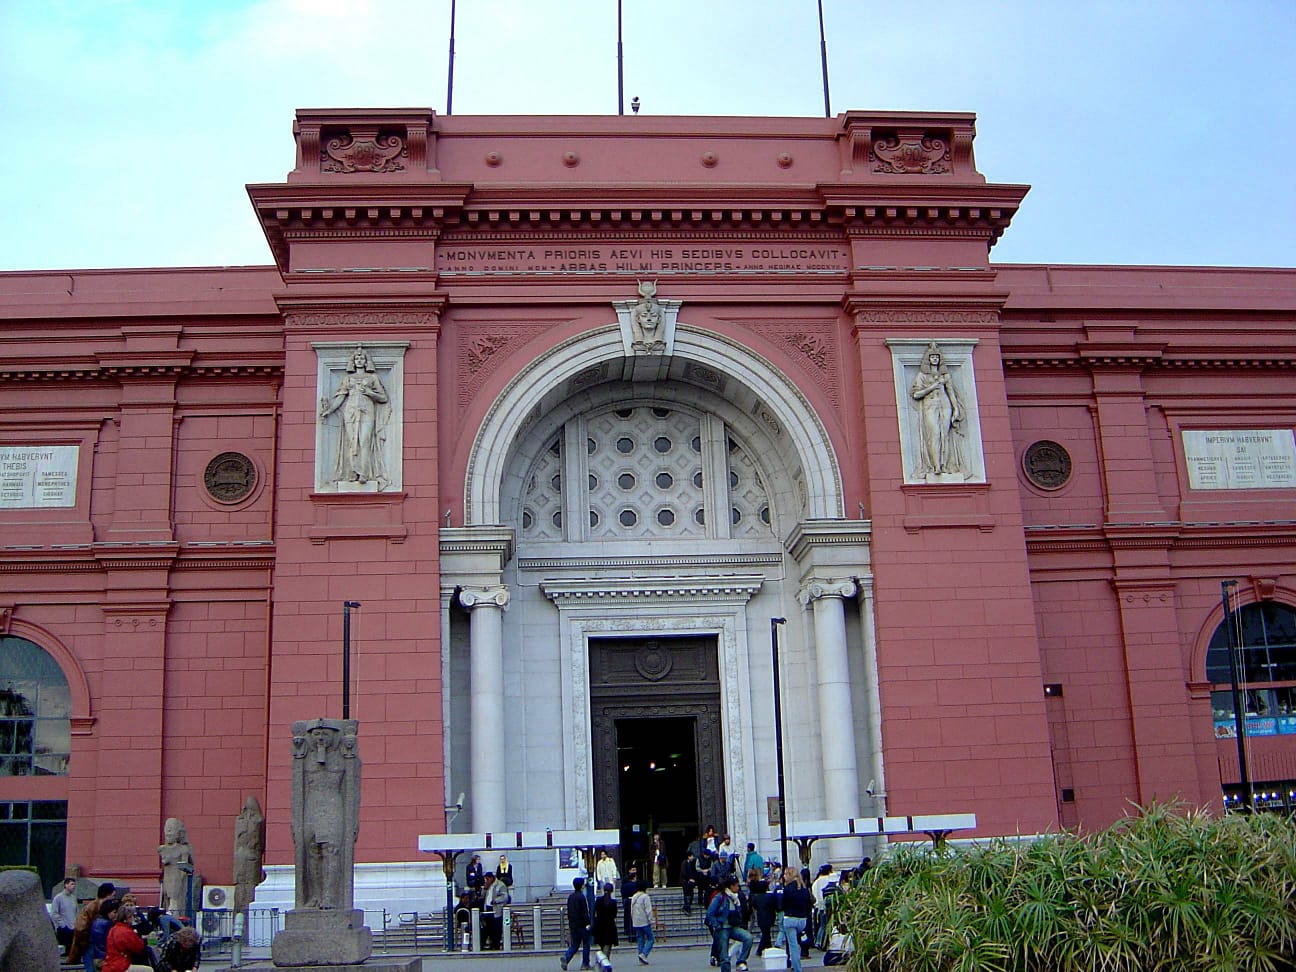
(689, 881)
(628, 888)
(578, 924)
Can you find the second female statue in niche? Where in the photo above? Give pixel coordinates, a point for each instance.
(366, 412)
(940, 418)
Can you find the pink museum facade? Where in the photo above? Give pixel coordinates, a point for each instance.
(626, 390)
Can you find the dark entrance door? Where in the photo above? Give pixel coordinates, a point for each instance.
(658, 761)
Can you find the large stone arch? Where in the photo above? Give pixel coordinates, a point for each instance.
(788, 412)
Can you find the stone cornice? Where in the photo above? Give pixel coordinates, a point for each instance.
(118, 366)
(679, 561)
(497, 540)
(623, 590)
(1160, 360)
(1185, 535)
(817, 533)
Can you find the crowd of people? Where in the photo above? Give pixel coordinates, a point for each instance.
(112, 933)
(742, 895)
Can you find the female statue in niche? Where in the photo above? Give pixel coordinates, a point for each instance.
(366, 412)
(940, 418)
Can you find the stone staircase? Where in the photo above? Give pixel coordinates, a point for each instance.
(426, 931)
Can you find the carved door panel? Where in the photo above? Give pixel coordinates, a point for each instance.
(656, 678)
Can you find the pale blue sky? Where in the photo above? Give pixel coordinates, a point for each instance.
(1151, 132)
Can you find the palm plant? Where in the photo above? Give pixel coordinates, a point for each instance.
(1164, 890)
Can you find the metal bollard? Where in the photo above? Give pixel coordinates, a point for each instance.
(537, 932)
(506, 937)
(476, 930)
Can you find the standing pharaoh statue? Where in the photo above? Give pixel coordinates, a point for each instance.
(940, 418)
(326, 819)
(325, 928)
(366, 413)
(177, 865)
(249, 849)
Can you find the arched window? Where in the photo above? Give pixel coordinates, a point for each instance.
(1265, 641)
(35, 711)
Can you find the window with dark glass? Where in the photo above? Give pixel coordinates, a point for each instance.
(35, 711)
(1265, 647)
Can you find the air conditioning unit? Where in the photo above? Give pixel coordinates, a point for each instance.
(217, 897)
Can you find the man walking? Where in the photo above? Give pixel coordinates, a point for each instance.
(724, 919)
(641, 918)
(578, 924)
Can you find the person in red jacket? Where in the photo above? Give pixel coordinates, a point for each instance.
(125, 947)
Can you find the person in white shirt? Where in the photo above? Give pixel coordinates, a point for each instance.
(605, 871)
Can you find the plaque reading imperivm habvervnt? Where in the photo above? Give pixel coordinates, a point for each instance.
(1240, 458)
(38, 476)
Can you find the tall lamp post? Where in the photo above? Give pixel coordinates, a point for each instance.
(778, 740)
(1239, 714)
(346, 656)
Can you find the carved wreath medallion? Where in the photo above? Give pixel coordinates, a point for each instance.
(1047, 464)
(230, 477)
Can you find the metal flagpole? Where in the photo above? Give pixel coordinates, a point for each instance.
(823, 58)
(620, 66)
(450, 69)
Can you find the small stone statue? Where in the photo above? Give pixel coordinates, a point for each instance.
(940, 418)
(646, 327)
(249, 848)
(177, 865)
(366, 413)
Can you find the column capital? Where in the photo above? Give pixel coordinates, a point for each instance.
(824, 588)
(471, 597)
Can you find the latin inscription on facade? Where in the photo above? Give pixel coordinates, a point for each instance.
(646, 258)
(1240, 458)
(38, 477)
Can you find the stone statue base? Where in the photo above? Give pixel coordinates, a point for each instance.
(328, 938)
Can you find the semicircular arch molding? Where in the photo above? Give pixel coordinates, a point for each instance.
(515, 408)
(1245, 597)
(78, 685)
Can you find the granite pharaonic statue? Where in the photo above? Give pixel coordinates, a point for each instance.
(326, 811)
(249, 851)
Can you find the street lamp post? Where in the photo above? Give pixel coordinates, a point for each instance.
(1239, 714)
(778, 740)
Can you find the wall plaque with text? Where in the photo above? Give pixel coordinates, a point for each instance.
(1240, 458)
(38, 476)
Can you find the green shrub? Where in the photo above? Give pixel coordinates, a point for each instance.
(1163, 891)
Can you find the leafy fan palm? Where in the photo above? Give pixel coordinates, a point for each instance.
(1164, 890)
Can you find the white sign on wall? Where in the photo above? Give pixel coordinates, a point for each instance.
(1240, 458)
(38, 476)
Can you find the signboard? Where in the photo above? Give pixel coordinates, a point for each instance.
(647, 258)
(38, 476)
(1240, 458)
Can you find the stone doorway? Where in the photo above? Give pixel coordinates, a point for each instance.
(658, 757)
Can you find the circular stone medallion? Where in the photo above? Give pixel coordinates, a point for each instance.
(654, 661)
(230, 477)
(1047, 464)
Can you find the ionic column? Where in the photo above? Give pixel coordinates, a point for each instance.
(486, 698)
(841, 775)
